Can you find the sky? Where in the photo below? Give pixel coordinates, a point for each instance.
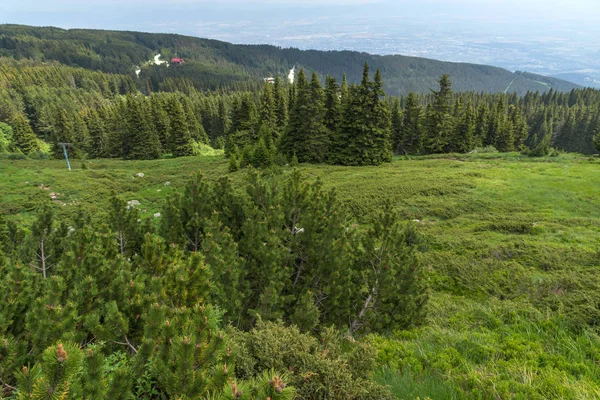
(24, 10)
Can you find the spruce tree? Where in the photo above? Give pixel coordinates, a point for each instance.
(294, 136)
(63, 133)
(193, 118)
(23, 136)
(160, 120)
(481, 124)
(332, 105)
(281, 107)
(502, 129)
(267, 111)
(364, 137)
(520, 127)
(463, 139)
(316, 135)
(398, 138)
(439, 118)
(81, 136)
(412, 126)
(97, 134)
(180, 139)
(381, 131)
(140, 141)
(220, 124)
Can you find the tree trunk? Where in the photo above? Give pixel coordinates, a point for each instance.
(43, 256)
(368, 304)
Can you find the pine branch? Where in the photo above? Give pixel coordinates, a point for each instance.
(7, 386)
(128, 344)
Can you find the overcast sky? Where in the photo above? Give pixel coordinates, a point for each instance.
(585, 9)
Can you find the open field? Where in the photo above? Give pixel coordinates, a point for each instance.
(512, 246)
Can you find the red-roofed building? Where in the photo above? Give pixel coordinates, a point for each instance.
(178, 61)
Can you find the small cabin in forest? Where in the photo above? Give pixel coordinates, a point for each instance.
(177, 61)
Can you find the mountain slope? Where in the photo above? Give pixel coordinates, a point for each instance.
(212, 64)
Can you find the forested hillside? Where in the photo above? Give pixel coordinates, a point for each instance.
(104, 115)
(379, 228)
(212, 64)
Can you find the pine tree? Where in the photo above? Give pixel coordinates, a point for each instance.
(381, 130)
(243, 124)
(54, 377)
(122, 220)
(395, 293)
(23, 136)
(53, 317)
(42, 232)
(221, 254)
(195, 208)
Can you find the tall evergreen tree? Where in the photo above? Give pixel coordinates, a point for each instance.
(97, 133)
(439, 118)
(294, 135)
(23, 136)
(462, 140)
(412, 126)
(193, 118)
(142, 142)
(364, 137)
(267, 112)
(63, 133)
(281, 108)
(332, 104)
(180, 139)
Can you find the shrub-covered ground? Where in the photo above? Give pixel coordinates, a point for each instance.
(513, 250)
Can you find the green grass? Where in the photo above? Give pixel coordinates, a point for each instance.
(513, 254)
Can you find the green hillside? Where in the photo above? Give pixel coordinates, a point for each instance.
(511, 247)
(211, 64)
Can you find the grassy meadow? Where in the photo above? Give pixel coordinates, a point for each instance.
(512, 248)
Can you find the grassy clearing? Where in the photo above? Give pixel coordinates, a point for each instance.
(514, 251)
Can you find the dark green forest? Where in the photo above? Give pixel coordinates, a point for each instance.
(212, 64)
(106, 116)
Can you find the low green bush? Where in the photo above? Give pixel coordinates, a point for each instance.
(331, 366)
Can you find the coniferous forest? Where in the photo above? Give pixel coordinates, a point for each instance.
(105, 116)
(260, 279)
